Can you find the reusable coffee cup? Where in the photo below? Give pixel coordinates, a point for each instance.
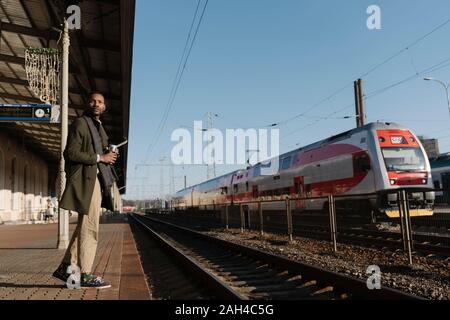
(113, 148)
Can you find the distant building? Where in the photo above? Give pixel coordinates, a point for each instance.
(431, 146)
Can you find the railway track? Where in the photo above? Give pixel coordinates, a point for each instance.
(428, 244)
(318, 228)
(233, 271)
(167, 280)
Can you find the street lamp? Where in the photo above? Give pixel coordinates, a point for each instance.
(446, 86)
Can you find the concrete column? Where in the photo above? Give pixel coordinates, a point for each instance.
(63, 215)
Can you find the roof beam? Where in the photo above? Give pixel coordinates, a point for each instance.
(25, 83)
(19, 97)
(93, 73)
(14, 81)
(21, 61)
(20, 127)
(31, 143)
(111, 96)
(54, 35)
(105, 75)
(12, 59)
(99, 44)
(112, 2)
(34, 32)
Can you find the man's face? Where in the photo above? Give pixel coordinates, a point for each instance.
(97, 104)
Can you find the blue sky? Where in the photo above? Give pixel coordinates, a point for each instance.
(256, 62)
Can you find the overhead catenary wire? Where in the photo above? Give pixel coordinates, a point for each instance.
(371, 70)
(409, 46)
(180, 64)
(177, 80)
(321, 118)
(443, 64)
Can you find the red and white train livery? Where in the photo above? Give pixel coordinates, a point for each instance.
(375, 159)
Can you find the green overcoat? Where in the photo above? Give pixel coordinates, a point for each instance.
(80, 166)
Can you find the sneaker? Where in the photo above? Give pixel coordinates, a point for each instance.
(89, 280)
(61, 272)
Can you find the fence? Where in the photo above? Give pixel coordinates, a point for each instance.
(430, 234)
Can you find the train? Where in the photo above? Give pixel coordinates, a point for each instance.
(440, 172)
(363, 168)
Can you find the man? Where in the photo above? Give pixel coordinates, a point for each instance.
(50, 212)
(89, 180)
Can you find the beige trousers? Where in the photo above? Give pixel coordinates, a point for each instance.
(83, 245)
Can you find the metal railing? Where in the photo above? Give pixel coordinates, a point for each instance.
(402, 197)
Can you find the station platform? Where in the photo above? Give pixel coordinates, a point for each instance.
(29, 255)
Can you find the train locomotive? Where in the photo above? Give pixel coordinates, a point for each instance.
(366, 165)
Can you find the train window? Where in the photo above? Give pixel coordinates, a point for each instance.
(285, 163)
(246, 186)
(235, 188)
(276, 177)
(403, 158)
(257, 170)
(308, 189)
(361, 163)
(299, 188)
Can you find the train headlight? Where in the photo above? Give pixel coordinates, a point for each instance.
(424, 181)
(392, 181)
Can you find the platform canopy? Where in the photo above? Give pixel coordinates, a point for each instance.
(100, 59)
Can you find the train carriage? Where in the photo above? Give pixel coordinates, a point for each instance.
(365, 164)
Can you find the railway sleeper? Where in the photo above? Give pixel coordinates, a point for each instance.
(234, 268)
(276, 279)
(246, 272)
(207, 259)
(277, 287)
(285, 278)
(181, 292)
(305, 289)
(229, 260)
(252, 276)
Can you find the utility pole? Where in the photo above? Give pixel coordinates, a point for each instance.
(185, 182)
(359, 103)
(211, 171)
(172, 180)
(161, 176)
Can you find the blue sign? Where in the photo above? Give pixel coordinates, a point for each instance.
(25, 112)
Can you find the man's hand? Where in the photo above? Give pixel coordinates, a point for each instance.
(109, 158)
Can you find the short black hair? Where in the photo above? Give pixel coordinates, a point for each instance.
(95, 92)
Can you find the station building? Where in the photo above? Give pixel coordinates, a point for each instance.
(100, 59)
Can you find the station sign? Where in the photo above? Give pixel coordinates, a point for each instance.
(29, 112)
